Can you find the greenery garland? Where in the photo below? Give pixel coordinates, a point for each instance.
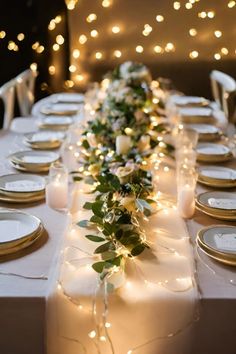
(122, 184)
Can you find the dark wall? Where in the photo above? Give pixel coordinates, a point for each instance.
(32, 17)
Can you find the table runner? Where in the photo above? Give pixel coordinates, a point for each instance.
(152, 312)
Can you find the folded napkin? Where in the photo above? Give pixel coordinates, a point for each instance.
(222, 203)
(225, 242)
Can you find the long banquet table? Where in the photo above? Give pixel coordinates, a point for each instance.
(27, 282)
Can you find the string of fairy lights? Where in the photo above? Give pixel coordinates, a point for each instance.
(80, 78)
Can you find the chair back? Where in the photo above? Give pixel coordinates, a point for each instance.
(224, 93)
(25, 83)
(7, 94)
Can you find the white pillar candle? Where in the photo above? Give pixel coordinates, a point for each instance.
(123, 144)
(57, 194)
(186, 201)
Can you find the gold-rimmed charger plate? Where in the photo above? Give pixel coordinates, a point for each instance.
(44, 146)
(44, 140)
(29, 169)
(21, 200)
(210, 152)
(20, 246)
(18, 183)
(221, 214)
(206, 132)
(217, 176)
(16, 227)
(206, 240)
(37, 159)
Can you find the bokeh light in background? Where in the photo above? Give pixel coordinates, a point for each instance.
(106, 32)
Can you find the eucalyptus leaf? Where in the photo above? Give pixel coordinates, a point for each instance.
(83, 223)
(98, 266)
(103, 248)
(95, 238)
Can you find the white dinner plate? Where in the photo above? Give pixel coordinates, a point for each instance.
(219, 202)
(196, 115)
(60, 109)
(22, 183)
(204, 128)
(16, 226)
(44, 137)
(220, 238)
(40, 158)
(53, 122)
(217, 176)
(70, 98)
(210, 152)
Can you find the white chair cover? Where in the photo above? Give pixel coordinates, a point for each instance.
(224, 91)
(7, 94)
(25, 83)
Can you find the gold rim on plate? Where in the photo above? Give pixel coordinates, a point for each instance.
(222, 256)
(20, 246)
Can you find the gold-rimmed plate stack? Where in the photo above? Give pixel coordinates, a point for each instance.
(209, 152)
(219, 205)
(44, 140)
(219, 243)
(18, 230)
(22, 188)
(217, 176)
(196, 115)
(206, 132)
(60, 109)
(55, 123)
(33, 161)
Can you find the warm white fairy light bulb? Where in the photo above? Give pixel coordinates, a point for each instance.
(94, 33)
(217, 56)
(72, 68)
(202, 14)
(211, 14)
(117, 53)
(159, 18)
(188, 5)
(169, 47)
(192, 32)
(92, 334)
(83, 39)
(51, 70)
(34, 66)
(218, 34)
(224, 51)
(60, 39)
(20, 37)
(139, 49)
(147, 30)
(90, 18)
(107, 3)
(194, 54)
(115, 29)
(76, 53)
(40, 49)
(176, 5)
(231, 4)
(55, 47)
(2, 34)
(158, 49)
(98, 55)
(58, 19)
